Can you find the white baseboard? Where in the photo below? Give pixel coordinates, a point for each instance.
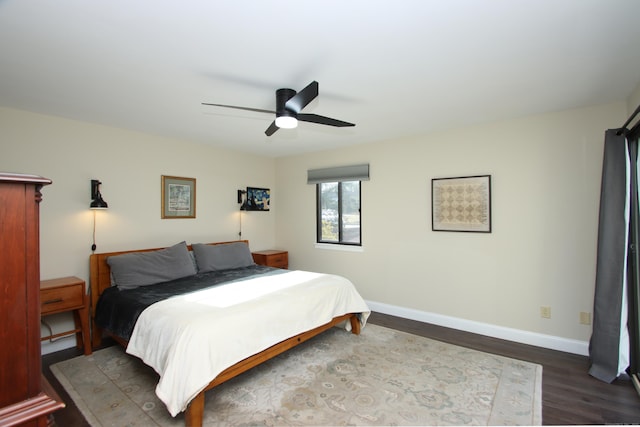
(524, 337)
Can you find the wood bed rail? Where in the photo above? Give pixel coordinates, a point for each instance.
(195, 411)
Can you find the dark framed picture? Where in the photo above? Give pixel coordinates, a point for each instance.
(461, 204)
(178, 197)
(258, 199)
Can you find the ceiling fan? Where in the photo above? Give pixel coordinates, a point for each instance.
(289, 105)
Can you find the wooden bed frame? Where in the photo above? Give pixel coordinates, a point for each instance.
(100, 279)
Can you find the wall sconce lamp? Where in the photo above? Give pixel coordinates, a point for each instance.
(243, 207)
(96, 198)
(97, 203)
(241, 199)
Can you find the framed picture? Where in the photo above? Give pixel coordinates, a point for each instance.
(258, 199)
(178, 197)
(461, 204)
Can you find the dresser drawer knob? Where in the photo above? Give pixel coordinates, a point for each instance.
(53, 301)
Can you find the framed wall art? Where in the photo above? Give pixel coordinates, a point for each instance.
(258, 199)
(178, 197)
(461, 204)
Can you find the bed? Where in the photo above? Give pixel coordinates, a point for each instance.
(161, 304)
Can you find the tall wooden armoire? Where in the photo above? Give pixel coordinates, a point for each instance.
(26, 399)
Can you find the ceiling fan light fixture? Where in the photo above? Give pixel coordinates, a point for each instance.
(289, 105)
(286, 122)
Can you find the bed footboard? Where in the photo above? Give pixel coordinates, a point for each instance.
(194, 413)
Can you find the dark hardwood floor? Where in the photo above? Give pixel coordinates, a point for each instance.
(569, 394)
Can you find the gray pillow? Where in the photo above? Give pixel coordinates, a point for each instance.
(222, 257)
(148, 268)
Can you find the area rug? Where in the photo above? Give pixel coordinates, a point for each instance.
(381, 377)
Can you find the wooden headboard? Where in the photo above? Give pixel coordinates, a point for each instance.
(100, 279)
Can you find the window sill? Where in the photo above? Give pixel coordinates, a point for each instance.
(338, 247)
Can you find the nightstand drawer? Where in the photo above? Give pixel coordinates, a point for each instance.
(280, 260)
(61, 299)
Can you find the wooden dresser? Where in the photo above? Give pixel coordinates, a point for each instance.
(26, 399)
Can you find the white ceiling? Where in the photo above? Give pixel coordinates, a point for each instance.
(395, 68)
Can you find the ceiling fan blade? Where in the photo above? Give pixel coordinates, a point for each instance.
(322, 120)
(303, 98)
(271, 129)
(258, 110)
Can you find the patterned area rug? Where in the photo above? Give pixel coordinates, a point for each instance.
(382, 377)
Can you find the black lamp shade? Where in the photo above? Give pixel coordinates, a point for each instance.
(241, 200)
(97, 202)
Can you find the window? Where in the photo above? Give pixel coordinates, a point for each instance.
(338, 212)
(338, 203)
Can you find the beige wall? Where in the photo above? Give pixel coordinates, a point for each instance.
(545, 194)
(545, 183)
(130, 165)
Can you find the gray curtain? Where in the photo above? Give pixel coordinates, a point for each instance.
(609, 312)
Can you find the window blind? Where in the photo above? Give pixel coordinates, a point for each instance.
(340, 173)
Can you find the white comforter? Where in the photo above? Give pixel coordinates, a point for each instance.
(190, 339)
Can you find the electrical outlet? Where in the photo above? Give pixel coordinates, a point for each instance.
(545, 312)
(585, 318)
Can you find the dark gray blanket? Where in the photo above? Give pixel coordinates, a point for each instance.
(117, 310)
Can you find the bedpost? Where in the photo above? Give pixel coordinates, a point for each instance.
(355, 324)
(195, 411)
(94, 293)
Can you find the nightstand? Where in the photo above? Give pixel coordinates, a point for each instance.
(272, 258)
(63, 295)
